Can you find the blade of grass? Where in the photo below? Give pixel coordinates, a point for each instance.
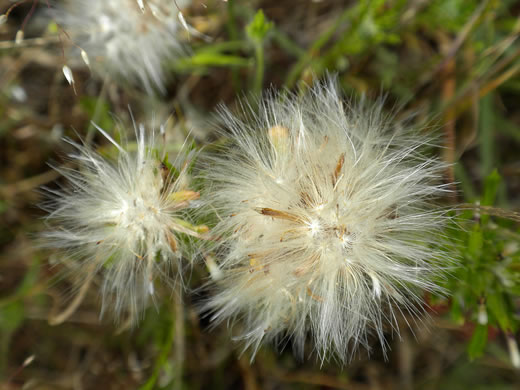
(485, 135)
(321, 41)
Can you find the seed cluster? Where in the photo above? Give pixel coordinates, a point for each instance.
(325, 225)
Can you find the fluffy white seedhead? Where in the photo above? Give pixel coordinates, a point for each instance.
(123, 219)
(128, 39)
(326, 222)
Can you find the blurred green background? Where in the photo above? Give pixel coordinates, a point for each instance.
(454, 64)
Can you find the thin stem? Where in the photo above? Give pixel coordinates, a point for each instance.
(97, 111)
(259, 71)
(305, 59)
(494, 211)
(233, 35)
(31, 42)
(65, 314)
(287, 44)
(161, 360)
(179, 337)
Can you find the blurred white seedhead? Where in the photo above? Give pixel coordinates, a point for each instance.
(326, 222)
(123, 219)
(128, 39)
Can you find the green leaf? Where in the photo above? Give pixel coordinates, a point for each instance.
(165, 344)
(27, 283)
(205, 58)
(99, 109)
(491, 184)
(11, 317)
(486, 134)
(456, 312)
(464, 182)
(498, 307)
(478, 342)
(259, 27)
(475, 243)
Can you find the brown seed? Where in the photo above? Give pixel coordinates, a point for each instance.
(338, 169)
(324, 143)
(171, 241)
(315, 297)
(279, 214)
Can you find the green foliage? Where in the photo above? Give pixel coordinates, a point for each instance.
(204, 58)
(99, 110)
(12, 313)
(11, 317)
(448, 14)
(478, 342)
(259, 27)
(162, 330)
(484, 284)
(414, 51)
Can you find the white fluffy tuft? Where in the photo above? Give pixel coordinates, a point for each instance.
(326, 222)
(125, 220)
(123, 40)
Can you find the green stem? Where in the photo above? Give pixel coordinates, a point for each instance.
(179, 337)
(485, 135)
(337, 48)
(231, 24)
(222, 47)
(305, 59)
(161, 360)
(259, 73)
(233, 35)
(287, 44)
(91, 131)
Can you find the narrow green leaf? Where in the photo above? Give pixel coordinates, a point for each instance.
(478, 342)
(486, 127)
(99, 109)
(162, 359)
(465, 183)
(456, 312)
(204, 59)
(475, 242)
(11, 316)
(498, 307)
(491, 184)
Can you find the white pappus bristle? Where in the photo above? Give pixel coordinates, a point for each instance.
(327, 224)
(125, 219)
(127, 39)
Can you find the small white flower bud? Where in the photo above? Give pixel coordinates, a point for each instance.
(28, 360)
(19, 37)
(514, 353)
(84, 57)
(68, 74)
(482, 314)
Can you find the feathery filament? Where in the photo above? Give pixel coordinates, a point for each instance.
(327, 224)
